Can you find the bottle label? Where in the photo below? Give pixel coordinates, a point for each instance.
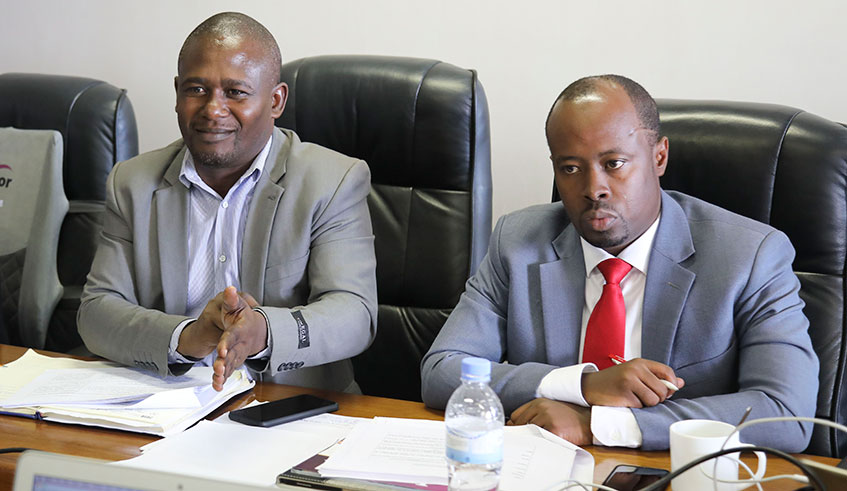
(476, 448)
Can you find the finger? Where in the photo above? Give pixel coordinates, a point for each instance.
(251, 302)
(649, 392)
(233, 303)
(530, 411)
(516, 414)
(218, 379)
(224, 345)
(662, 371)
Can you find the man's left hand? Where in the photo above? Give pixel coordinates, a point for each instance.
(569, 421)
(245, 334)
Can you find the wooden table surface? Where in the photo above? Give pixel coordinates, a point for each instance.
(110, 444)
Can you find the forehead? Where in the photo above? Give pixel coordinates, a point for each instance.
(223, 53)
(604, 116)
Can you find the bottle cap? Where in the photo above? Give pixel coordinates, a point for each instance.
(476, 369)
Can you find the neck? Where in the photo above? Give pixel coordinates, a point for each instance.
(222, 179)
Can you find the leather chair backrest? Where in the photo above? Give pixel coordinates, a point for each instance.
(422, 127)
(32, 209)
(98, 128)
(788, 168)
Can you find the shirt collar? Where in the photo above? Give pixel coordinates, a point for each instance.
(188, 175)
(636, 254)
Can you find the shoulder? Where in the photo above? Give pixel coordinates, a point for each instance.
(535, 226)
(146, 167)
(309, 163)
(704, 215)
(731, 233)
(314, 176)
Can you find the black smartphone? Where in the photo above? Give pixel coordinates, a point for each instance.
(284, 410)
(632, 477)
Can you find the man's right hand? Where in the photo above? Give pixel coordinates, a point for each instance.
(636, 383)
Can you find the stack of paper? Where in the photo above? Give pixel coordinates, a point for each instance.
(338, 452)
(412, 451)
(109, 395)
(228, 451)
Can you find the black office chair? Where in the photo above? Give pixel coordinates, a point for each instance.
(422, 127)
(788, 168)
(97, 124)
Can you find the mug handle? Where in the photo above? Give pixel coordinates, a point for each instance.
(761, 466)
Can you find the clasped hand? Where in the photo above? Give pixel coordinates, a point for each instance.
(230, 326)
(636, 383)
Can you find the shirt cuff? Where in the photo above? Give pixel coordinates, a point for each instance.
(267, 351)
(565, 384)
(615, 427)
(175, 356)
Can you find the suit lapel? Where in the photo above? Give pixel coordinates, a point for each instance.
(562, 295)
(668, 282)
(263, 207)
(171, 208)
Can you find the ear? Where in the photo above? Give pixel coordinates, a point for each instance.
(176, 91)
(660, 155)
(279, 96)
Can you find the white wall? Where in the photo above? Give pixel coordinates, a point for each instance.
(780, 51)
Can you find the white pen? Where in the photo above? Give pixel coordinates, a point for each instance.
(617, 360)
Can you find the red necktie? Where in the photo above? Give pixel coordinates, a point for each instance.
(607, 325)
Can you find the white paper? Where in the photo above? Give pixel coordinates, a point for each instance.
(232, 453)
(16, 374)
(102, 385)
(412, 451)
(172, 407)
(391, 449)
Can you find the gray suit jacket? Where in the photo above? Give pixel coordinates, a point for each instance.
(720, 307)
(308, 248)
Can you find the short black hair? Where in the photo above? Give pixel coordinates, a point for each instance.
(236, 24)
(645, 105)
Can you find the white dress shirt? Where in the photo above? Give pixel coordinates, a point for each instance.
(611, 426)
(215, 235)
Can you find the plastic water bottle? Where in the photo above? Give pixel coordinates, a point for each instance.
(474, 421)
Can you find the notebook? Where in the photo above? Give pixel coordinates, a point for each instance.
(42, 471)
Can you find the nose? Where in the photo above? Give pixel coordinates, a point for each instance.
(596, 185)
(215, 106)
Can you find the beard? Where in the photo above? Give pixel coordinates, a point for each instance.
(609, 238)
(214, 160)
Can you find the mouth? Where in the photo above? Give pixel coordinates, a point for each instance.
(213, 135)
(599, 220)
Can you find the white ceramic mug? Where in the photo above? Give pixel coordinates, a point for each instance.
(694, 438)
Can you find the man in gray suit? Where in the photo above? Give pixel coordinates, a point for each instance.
(236, 206)
(711, 303)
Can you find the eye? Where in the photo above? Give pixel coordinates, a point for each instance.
(615, 164)
(194, 90)
(236, 93)
(568, 169)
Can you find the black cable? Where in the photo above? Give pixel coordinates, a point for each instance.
(13, 450)
(663, 482)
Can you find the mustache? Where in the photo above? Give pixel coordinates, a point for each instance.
(599, 206)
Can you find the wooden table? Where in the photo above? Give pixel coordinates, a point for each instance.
(118, 445)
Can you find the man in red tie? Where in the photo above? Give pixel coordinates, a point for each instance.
(629, 308)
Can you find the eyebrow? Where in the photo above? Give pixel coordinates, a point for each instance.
(228, 82)
(560, 158)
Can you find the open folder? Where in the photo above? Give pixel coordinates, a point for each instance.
(106, 394)
(396, 453)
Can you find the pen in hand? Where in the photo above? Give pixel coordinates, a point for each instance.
(617, 360)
